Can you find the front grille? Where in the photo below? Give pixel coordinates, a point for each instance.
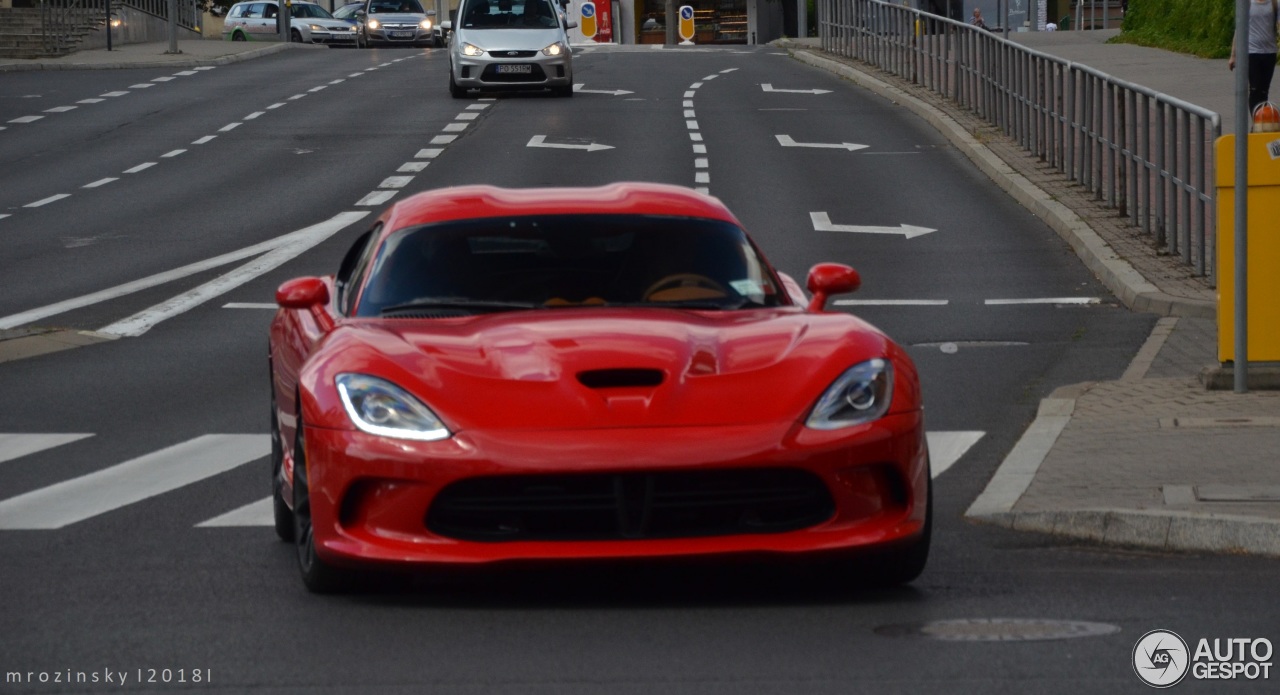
(513, 54)
(630, 505)
(535, 74)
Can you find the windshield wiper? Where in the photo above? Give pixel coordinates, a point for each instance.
(458, 303)
(706, 304)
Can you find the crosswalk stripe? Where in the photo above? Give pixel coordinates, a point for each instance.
(156, 473)
(945, 448)
(14, 446)
(257, 513)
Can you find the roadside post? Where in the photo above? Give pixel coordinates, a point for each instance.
(686, 25)
(173, 28)
(1240, 195)
(588, 24)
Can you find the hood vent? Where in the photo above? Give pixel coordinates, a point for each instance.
(620, 378)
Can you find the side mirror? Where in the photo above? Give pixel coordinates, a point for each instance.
(826, 279)
(431, 13)
(302, 293)
(570, 25)
(446, 25)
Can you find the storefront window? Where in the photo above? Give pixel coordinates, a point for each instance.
(714, 21)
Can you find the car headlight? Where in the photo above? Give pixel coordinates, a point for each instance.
(425, 24)
(374, 24)
(471, 50)
(861, 394)
(317, 27)
(554, 49)
(379, 407)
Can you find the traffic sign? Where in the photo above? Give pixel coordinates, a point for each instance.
(588, 23)
(686, 24)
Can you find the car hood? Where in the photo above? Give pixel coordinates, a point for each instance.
(510, 39)
(327, 23)
(598, 368)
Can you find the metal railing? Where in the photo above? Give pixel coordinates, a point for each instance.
(63, 22)
(1147, 155)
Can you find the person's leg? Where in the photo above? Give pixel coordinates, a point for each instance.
(1262, 66)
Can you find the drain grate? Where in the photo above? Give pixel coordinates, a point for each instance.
(998, 630)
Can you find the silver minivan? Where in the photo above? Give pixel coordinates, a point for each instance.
(510, 45)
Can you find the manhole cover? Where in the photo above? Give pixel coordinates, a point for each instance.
(998, 630)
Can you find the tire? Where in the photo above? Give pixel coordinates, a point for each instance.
(283, 515)
(454, 90)
(295, 36)
(318, 576)
(238, 36)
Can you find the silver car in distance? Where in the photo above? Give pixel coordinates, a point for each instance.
(510, 45)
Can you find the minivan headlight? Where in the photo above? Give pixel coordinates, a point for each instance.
(471, 50)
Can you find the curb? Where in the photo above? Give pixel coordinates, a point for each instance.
(1129, 286)
(176, 63)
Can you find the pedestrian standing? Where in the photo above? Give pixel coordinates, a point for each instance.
(1264, 15)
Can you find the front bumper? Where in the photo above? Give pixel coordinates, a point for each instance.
(495, 70)
(392, 34)
(334, 37)
(371, 498)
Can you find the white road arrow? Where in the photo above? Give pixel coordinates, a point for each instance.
(822, 223)
(769, 88)
(541, 141)
(786, 141)
(615, 92)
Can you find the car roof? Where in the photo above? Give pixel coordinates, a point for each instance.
(478, 201)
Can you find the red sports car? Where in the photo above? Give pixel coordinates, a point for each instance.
(614, 372)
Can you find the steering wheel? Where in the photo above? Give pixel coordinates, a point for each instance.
(681, 287)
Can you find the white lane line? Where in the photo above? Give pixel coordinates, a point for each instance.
(466, 116)
(455, 127)
(687, 104)
(702, 177)
(203, 140)
(100, 182)
(691, 125)
(171, 153)
(429, 153)
(4, 216)
(892, 302)
(477, 107)
(61, 109)
(337, 81)
(1044, 300)
(185, 73)
(13, 446)
(727, 71)
(317, 89)
(383, 65)
(156, 473)
(259, 513)
(286, 248)
(413, 166)
(696, 137)
(141, 167)
(113, 94)
(395, 182)
(709, 77)
(296, 97)
(699, 149)
(688, 113)
(1020, 466)
(143, 85)
(945, 448)
(443, 139)
(701, 162)
(91, 101)
(228, 127)
(254, 115)
(250, 305)
(166, 78)
(275, 106)
(689, 94)
(207, 67)
(695, 85)
(703, 190)
(355, 74)
(25, 317)
(376, 198)
(26, 119)
(46, 201)
(370, 69)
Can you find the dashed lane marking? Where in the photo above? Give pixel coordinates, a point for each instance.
(141, 167)
(100, 182)
(14, 446)
(45, 201)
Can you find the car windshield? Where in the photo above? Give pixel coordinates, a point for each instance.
(503, 263)
(515, 14)
(347, 11)
(309, 11)
(395, 6)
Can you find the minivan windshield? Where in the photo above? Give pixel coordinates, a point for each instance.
(509, 14)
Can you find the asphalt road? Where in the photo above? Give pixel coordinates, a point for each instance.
(143, 586)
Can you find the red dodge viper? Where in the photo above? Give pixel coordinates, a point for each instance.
(614, 372)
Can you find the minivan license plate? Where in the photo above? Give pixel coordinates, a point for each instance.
(514, 69)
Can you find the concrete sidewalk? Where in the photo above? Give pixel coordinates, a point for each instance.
(193, 54)
(1152, 459)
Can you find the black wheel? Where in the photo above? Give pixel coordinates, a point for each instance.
(295, 36)
(238, 37)
(318, 576)
(283, 515)
(454, 90)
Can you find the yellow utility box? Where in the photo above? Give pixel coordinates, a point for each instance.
(1263, 248)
